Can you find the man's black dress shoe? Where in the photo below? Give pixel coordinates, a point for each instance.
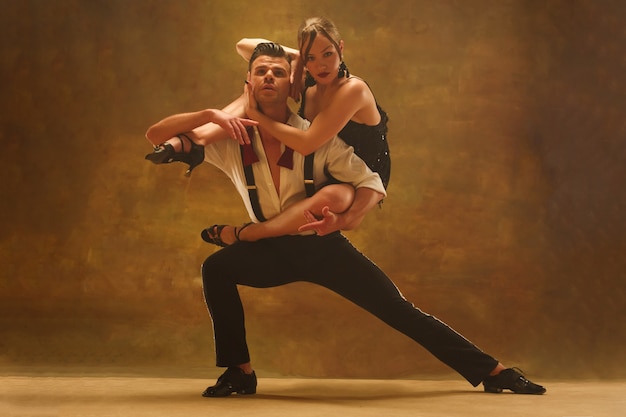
(233, 380)
(512, 380)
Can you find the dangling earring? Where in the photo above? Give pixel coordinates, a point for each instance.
(343, 71)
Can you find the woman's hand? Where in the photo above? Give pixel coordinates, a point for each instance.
(297, 79)
(251, 107)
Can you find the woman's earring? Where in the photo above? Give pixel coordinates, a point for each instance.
(343, 71)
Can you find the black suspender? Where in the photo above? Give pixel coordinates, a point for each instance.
(309, 185)
(252, 191)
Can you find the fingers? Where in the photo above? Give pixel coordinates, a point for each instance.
(312, 222)
(326, 225)
(247, 89)
(310, 217)
(237, 131)
(294, 93)
(245, 139)
(314, 226)
(244, 132)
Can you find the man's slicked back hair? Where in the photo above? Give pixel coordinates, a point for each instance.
(268, 49)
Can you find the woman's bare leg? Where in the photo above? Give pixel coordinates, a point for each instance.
(182, 137)
(337, 197)
(202, 135)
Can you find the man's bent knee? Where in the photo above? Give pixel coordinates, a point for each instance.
(212, 269)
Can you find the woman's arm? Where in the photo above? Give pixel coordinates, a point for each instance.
(347, 101)
(246, 46)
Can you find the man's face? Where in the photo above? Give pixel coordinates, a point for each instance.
(269, 77)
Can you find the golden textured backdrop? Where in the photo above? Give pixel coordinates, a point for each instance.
(505, 215)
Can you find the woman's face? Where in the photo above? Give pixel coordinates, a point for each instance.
(323, 60)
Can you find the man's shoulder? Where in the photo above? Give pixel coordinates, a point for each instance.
(298, 122)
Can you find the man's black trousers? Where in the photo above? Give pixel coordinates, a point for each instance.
(332, 262)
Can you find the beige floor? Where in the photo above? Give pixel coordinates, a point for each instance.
(100, 396)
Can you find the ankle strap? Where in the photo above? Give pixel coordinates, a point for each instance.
(182, 142)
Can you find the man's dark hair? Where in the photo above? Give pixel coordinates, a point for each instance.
(268, 49)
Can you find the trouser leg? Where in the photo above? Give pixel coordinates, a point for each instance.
(255, 264)
(332, 262)
(222, 299)
(351, 275)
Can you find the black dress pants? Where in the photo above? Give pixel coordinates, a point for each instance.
(332, 262)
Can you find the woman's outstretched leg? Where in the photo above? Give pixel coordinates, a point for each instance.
(173, 142)
(337, 197)
(165, 131)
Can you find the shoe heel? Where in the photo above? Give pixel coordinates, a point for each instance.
(195, 158)
(191, 167)
(492, 390)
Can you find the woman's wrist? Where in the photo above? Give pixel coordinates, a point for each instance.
(253, 114)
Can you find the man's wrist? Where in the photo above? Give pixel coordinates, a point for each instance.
(349, 220)
(365, 199)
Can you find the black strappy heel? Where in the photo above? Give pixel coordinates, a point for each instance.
(165, 154)
(213, 234)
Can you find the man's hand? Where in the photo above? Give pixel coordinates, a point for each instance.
(330, 222)
(364, 200)
(234, 126)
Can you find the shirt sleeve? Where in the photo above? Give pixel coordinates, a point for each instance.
(344, 165)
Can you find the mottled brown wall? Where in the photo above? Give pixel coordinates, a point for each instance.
(506, 209)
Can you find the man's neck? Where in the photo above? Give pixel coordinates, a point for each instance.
(278, 113)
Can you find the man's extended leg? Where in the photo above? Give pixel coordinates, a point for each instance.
(346, 271)
(350, 274)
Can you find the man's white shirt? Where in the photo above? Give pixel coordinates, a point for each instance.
(335, 156)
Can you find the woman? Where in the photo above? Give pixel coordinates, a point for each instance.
(336, 103)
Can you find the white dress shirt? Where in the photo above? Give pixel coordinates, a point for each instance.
(335, 156)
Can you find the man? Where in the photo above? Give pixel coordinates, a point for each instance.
(278, 261)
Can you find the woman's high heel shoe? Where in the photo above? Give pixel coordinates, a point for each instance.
(165, 154)
(162, 154)
(194, 158)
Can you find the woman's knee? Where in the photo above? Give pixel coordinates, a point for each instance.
(337, 197)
